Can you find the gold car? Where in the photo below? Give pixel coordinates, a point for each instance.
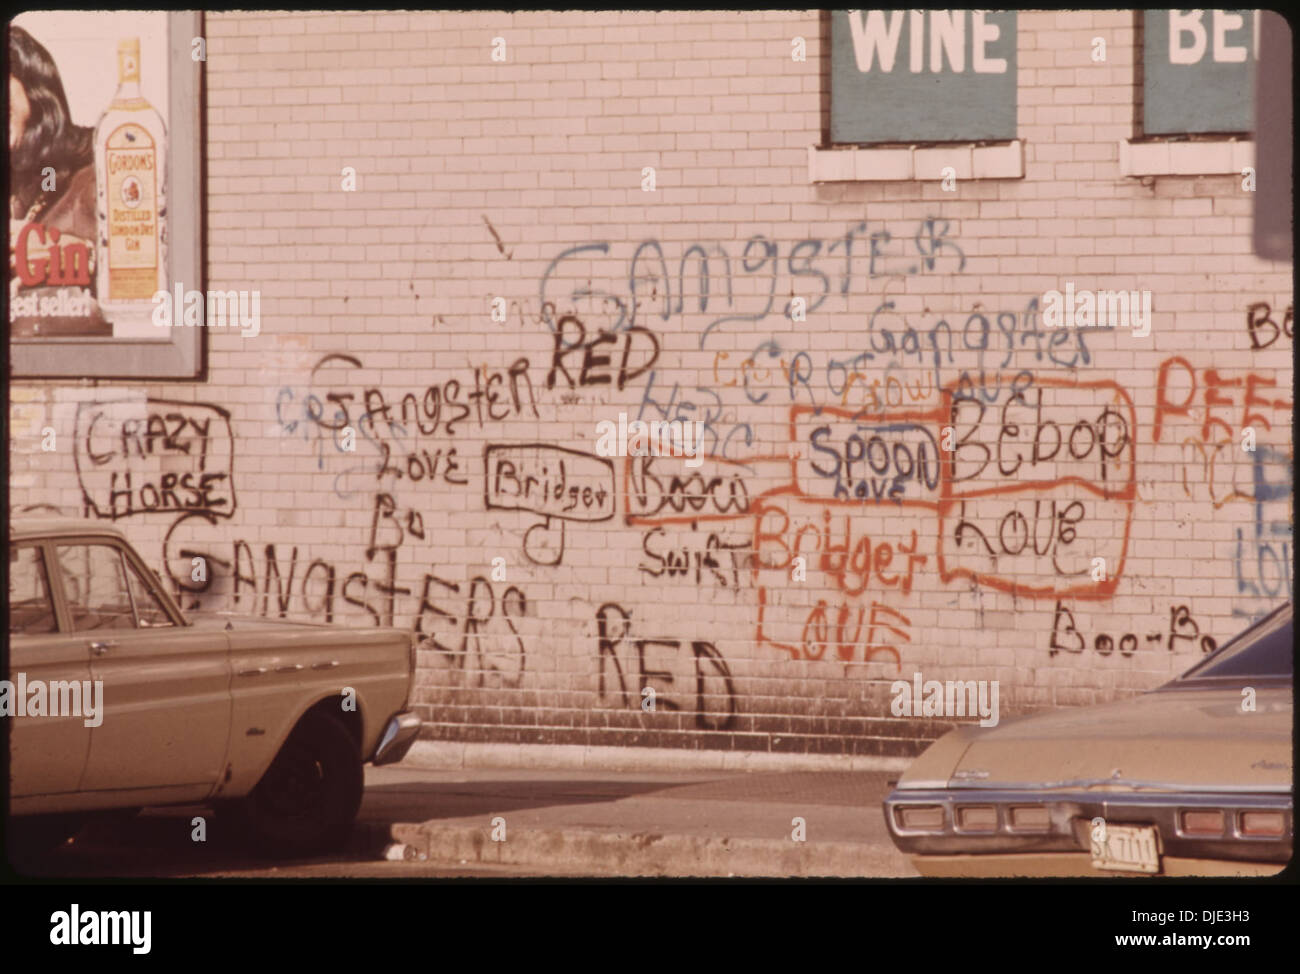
(117, 700)
(1190, 779)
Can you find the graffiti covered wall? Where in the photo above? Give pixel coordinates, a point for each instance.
(906, 466)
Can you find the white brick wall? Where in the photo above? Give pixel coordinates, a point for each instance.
(388, 290)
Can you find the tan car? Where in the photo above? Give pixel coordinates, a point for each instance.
(118, 701)
(1190, 779)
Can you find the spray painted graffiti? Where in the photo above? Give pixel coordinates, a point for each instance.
(561, 485)
(658, 666)
(1183, 630)
(145, 456)
(753, 275)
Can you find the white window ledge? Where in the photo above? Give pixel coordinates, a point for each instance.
(1185, 158)
(854, 164)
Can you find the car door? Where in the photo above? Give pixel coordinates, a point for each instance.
(166, 686)
(47, 753)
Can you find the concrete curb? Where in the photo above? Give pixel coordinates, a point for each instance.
(584, 852)
(450, 755)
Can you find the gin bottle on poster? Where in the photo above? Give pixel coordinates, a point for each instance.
(131, 178)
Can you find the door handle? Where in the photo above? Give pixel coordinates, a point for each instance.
(257, 671)
(290, 668)
(100, 647)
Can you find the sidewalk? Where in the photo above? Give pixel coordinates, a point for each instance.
(584, 818)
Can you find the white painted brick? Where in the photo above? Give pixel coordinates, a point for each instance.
(548, 149)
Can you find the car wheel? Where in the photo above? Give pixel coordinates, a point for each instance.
(309, 797)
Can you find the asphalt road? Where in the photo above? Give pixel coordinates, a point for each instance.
(754, 808)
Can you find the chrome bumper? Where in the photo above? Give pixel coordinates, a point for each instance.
(398, 736)
(1070, 813)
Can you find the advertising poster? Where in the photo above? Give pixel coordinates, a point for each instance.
(92, 200)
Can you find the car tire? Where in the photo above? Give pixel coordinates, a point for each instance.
(308, 798)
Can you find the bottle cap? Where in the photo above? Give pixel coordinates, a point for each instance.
(128, 59)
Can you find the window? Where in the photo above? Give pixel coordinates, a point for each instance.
(30, 609)
(95, 585)
(150, 613)
(1197, 72)
(922, 76)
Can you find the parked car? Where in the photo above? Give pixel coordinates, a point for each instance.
(1193, 778)
(269, 720)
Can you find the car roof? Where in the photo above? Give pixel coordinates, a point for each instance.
(21, 528)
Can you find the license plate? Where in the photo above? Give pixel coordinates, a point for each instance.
(1128, 848)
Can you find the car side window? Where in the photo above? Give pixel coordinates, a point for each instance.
(94, 583)
(149, 611)
(30, 609)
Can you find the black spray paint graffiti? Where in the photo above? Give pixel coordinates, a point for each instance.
(1259, 322)
(654, 491)
(564, 485)
(154, 455)
(719, 558)
(471, 629)
(408, 436)
(498, 660)
(658, 669)
(1019, 442)
(1182, 629)
(285, 585)
(597, 370)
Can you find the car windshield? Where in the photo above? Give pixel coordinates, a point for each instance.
(1263, 650)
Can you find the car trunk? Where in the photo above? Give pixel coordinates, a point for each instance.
(1201, 739)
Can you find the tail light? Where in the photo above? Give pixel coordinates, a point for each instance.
(1030, 818)
(1263, 824)
(1201, 822)
(920, 817)
(977, 818)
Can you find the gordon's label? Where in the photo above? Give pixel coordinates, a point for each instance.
(131, 160)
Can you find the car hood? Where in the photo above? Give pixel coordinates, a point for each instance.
(1199, 739)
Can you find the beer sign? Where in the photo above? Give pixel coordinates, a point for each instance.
(1198, 69)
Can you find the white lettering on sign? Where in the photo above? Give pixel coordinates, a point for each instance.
(875, 40)
(982, 35)
(1187, 23)
(867, 38)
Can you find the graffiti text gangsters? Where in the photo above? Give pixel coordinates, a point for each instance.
(955, 698)
(653, 439)
(220, 309)
(1098, 309)
(58, 698)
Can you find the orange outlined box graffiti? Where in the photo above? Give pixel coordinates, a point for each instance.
(1040, 484)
